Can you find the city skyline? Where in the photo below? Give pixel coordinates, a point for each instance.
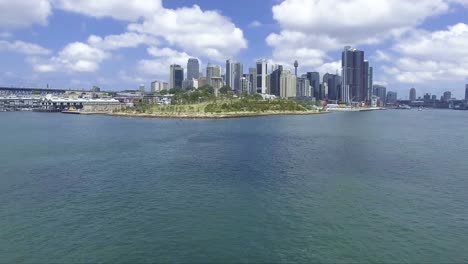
(117, 46)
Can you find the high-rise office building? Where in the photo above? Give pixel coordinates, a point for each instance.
(142, 88)
(275, 80)
(287, 84)
(245, 84)
(412, 94)
(370, 84)
(261, 74)
(391, 97)
(212, 71)
(355, 75)
(466, 92)
(314, 79)
(193, 69)
(249, 78)
(447, 96)
(381, 92)
(234, 71)
(176, 76)
(333, 82)
(253, 80)
(303, 88)
(434, 98)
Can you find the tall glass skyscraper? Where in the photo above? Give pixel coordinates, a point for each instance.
(176, 76)
(333, 82)
(193, 69)
(261, 74)
(355, 75)
(234, 71)
(314, 79)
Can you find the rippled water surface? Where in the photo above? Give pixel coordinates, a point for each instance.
(389, 186)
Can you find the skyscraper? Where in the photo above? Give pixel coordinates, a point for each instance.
(275, 81)
(212, 71)
(314, 79)
(303, 88)
(355, 75)
(333, 82)
(245, 84)
(466, 92)
(412, 94)
(176, 76)
(193, 69)
(261, 74)
(370, 85)
(447, 96)
(287, 85)
(234, 71)
(381, 92)
(391, 97)
(253, 80)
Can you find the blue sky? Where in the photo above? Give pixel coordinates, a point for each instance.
(118, 44)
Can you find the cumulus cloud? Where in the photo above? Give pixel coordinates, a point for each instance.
(206, 33)
(75, 57)
(24, 13)
(117, 9)
(23, 47)
(431, 56)
(125, 40)
(162, 59)
(324, 26)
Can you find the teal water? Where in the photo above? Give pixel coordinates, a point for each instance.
(388, 186)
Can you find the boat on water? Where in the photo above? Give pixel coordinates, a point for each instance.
(72, 110)
(420, 108)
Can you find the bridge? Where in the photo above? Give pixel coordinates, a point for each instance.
(26, 92)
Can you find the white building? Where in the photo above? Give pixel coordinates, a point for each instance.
(158, 86)
(287, 84)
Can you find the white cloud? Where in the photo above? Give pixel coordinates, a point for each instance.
(431, 56)
(117, 9)
(23, 13)
(255, 24)
(354, 20)
(206, 33)
(125, 40)
(382, 56)
(75, 57)
(163, 58)
(23, 47)
(323, 26)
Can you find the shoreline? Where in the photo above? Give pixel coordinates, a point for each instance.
(211, 115)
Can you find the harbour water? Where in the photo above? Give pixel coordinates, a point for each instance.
(384, 186)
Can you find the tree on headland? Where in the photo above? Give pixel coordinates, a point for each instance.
(163, 92)
(225, 90)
